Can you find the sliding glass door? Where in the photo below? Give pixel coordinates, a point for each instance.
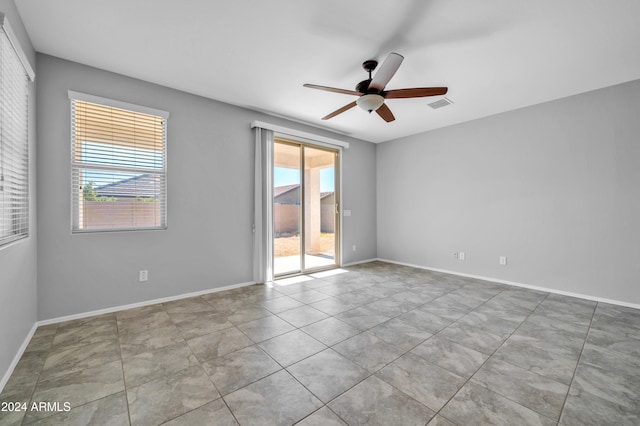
(287, 209)
(305, 207)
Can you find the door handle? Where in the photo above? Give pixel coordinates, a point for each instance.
(337, 209)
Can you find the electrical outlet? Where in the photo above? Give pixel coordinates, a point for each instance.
(455, 256)
(502, 260)
(143, 275)
(461, 255)
(354, 247)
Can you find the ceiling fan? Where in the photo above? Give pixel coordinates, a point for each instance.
(371, 93)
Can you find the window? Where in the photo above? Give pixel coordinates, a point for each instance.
(118, 165)
(15, 73)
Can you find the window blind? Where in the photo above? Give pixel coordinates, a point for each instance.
(118, 167)
(14, 141)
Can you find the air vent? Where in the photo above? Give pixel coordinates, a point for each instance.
(440, 104)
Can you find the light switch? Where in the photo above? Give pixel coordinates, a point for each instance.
(347, 212)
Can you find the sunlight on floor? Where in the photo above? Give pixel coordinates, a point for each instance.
(283, 265)
(292, 280)
(331, 273)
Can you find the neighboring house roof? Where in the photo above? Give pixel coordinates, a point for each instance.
(280, 192)
(144, 186)
(324, 195)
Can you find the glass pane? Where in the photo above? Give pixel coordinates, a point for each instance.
(118, 200)
(118, 168)
(286, 209)
(320, 208)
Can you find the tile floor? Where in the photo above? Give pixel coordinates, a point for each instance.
(379, 344)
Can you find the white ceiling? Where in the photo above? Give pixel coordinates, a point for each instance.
(494, 55)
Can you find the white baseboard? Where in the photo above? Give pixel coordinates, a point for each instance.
(517, 284)
(141, 304)
(16, 358)
(27, 339)
(358, 262)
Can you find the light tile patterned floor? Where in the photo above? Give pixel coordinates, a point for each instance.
(378, 344)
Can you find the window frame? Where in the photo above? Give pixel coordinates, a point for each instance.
(76, 193)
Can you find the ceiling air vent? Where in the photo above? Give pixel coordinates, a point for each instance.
(441, 103)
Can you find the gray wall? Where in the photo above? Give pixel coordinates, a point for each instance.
(554, 187)
(18, 275)
(359, 196)
(208, 244)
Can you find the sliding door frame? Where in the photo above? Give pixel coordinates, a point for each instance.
(337, 170)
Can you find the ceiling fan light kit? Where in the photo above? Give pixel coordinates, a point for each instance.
(370, 102)
(371, 93)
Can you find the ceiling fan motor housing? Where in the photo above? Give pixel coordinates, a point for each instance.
(363, 86)
(368, 66)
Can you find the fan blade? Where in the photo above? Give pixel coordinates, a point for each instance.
(385, 113)
(333, 89)
(340, 110)
(416, 92)
(386, 71)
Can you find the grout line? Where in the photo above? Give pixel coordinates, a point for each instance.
(124, 381)
(491, 356)
(37, 382)
(455, 286)
(224, 401)
(254, 381)
(586, 337)
(197, 360)
(370, 374)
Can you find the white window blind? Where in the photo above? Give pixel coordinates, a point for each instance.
(118, 165)
(14, 139)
